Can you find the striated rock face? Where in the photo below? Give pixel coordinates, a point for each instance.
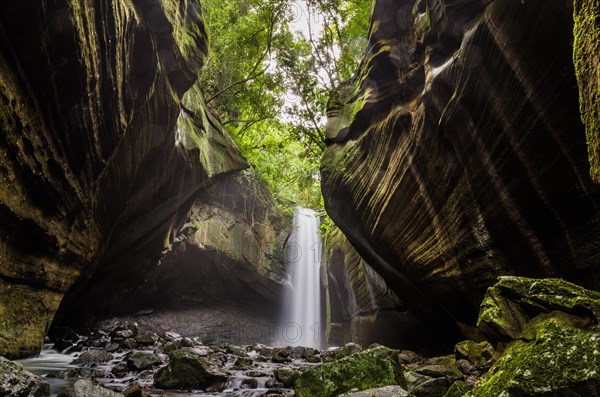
(359, 304)
(99, 159)
(586, 48)
(458, 153)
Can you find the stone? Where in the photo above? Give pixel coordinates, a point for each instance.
(432, 387)
(16, 381)
(385, 391)
(146, 339)
(286, 375)
(249, 383)
(368, 369)
(85, 388)
(93, 356)
(440, 371)
(140, 361)
(458, 389)
(243, 363)
(552, 335)
(408, 357)
(512, 302)
(129, 343)
(479, 354)
(134, 390)
(189, 371)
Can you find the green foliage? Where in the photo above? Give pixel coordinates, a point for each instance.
(270, 84)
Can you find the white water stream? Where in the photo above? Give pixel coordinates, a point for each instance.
(302, 303)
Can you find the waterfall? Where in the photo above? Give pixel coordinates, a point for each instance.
(302, 304)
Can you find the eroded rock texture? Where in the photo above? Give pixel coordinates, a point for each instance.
(359, 304)
(99, 160)
(586, 48)
(458, 154)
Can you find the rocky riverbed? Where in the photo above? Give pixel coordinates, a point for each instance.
(132, 363)
(543, 339)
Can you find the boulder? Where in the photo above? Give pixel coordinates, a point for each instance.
(479, 354)
(140, 361)
(187, 370)
(93, 356)
(553, 337)
(286, 375)
(85, 388)
(16, 381)
(367, 369)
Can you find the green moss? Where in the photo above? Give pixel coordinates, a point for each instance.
(586, 48)
(189, 31)
(554, 354)
(368, 369)
(513, 301)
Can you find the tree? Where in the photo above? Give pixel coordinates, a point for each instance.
(270, 85)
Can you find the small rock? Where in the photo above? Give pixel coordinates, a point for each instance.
(129, 343)
(85, 388)
(243, 363)
(479, 354)
(286, 375)
(386, 391)
(94, 356)
(120, 370)
(146, 339)
(408, 357)
(140, 361)
(249, 383)
(111, 347)
(171, 336)
(187, 342)
(432, 387)
(134, 390)
(458, 389)
(439, 371)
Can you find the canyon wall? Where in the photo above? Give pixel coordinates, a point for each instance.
(106, 145)
(458, 153)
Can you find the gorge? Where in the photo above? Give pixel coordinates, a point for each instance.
(142, 218)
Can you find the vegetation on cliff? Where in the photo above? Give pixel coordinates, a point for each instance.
(269, 76)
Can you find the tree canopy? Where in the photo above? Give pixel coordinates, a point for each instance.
(272, 66)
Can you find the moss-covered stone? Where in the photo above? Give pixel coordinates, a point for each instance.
(559, 353)
(512, 302)
(368, 369)
(458, 389)
(187, 370)
(479, 354)
(586, 48)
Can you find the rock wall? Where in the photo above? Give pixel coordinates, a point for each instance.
(586, 48)
(458, 153)
(360, 307)
(105, 146)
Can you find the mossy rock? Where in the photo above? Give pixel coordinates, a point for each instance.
(559, 354)
(479, 354)
(16, 381)
(458, 389)
(371, 368)
(586, 47)
(140, 361)
(511, 303)
(187, 370)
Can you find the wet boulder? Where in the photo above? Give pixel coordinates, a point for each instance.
(85, 388)
(93, 356)
(479, 354)
(286, 375)
(367, 369)
(16, 381)
(187, 370)
(555, 348)
(140, 361)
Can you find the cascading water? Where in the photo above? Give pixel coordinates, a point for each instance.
(302, 304)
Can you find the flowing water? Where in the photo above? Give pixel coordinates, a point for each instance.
(302, 308)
